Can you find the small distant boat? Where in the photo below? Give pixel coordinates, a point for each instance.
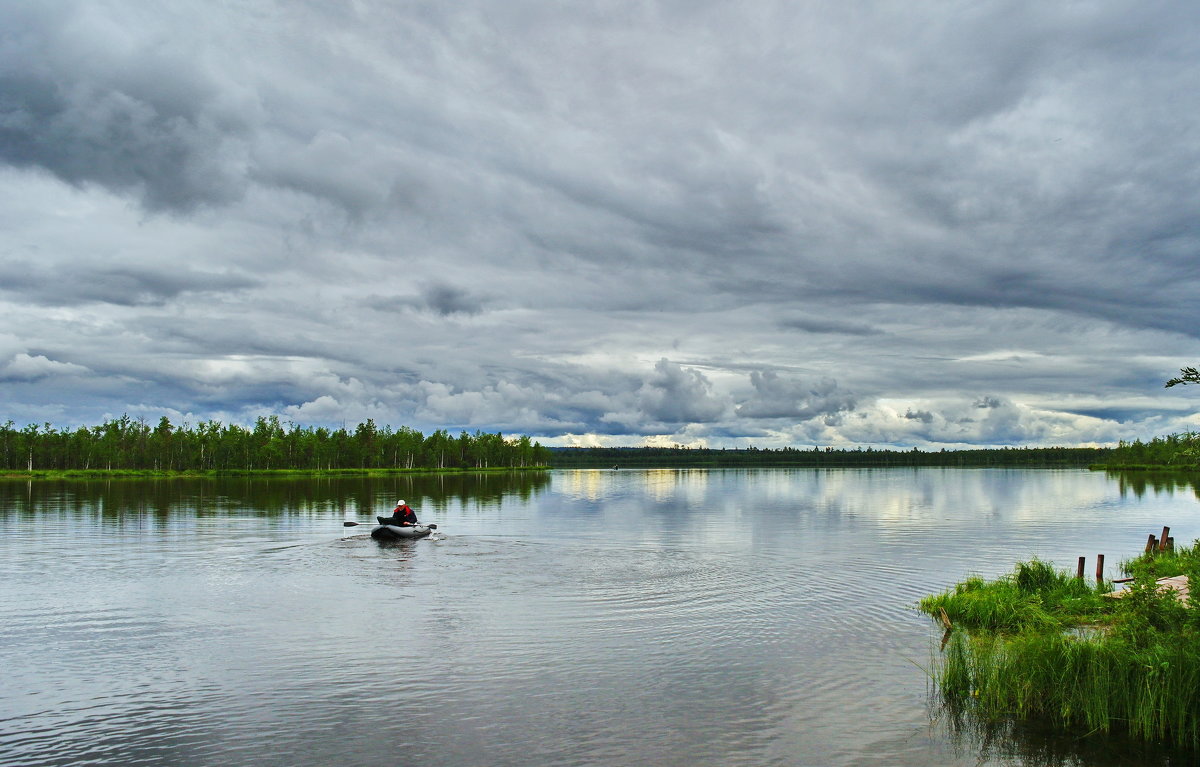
(389, 532)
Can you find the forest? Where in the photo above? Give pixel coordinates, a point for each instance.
(128, 444)
(133, 444)
(1174, 451)
(606, 457)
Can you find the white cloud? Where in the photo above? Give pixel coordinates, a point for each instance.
(25, 368)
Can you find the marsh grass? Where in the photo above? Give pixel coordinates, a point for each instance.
(1095, 684)
(1034, 596)
(1040, 644)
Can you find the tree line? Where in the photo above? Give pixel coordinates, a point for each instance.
(124, 443)
(683, 457)
(1180, 451)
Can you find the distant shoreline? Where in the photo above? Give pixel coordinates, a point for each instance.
(1158, 467)
(625, 461)
(260, 473)
(792, 458)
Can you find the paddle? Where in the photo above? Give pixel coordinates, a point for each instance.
(356, 524)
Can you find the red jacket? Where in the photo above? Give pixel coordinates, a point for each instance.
(404, 515)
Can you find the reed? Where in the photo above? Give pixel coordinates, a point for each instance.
(1097, 683)
(1040, 644)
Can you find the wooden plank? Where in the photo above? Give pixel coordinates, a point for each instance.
(1176, 583)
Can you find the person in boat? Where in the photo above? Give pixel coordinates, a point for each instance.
(403, 515)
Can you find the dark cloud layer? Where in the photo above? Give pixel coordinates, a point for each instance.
(448, 299)
(775, 397)
(124, 286)
(773, 222)
(84, 100)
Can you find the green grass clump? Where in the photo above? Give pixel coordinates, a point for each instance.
(1040, 644)
(1180, 561)
(1034, 596)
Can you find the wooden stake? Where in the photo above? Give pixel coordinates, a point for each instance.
(1162, 541)
(1082, 564)
(945, 618)
(949, 627)
(1151, 544)
(1099, 568)
(1171, 544)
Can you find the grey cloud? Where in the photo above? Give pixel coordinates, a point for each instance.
(779, 397)
(225, 336)
(924, 416)
(120, 285)
(330, 166)
(445, 300)
(817, 325)
(437, 299)
(1129, 414)
(676, 395)
(84, 105)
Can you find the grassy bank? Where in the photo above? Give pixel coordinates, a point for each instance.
(160, 474)
(1039, 644)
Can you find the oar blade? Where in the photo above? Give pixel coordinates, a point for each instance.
(349, 524)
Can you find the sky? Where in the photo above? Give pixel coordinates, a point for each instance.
(606, 222)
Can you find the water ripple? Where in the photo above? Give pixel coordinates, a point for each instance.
(667, 618)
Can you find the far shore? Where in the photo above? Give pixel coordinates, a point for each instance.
(210, 473)
(1158, 467)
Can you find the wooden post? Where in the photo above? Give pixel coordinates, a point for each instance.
(1082, 564)
(1171, 544)
(1162, 541)
(1151, 544)
(945, 618)
(1099, 568)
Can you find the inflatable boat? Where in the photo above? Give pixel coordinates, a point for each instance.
(389, 532)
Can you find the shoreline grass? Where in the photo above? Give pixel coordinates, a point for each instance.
(1041, 645)
(1034, 596)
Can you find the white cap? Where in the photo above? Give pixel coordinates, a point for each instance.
(399, 503)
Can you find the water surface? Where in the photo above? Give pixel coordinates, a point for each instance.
(657, 617)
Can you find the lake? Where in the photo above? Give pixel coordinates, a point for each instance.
(657, 617)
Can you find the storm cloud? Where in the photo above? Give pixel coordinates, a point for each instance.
(771, 223)
(775, 397)
(91, 98)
